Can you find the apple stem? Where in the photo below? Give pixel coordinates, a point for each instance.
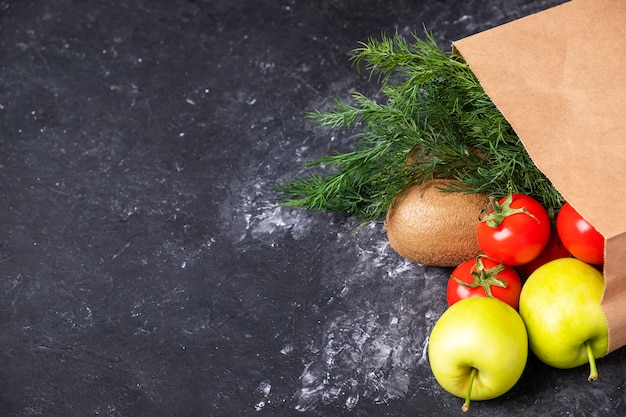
(593, 373)
(468, 394)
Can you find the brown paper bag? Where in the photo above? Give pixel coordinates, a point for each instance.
(559, 77)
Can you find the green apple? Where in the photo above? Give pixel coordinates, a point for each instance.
(560, 305)
(478, 349)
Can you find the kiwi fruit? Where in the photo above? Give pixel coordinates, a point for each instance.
(433, 227)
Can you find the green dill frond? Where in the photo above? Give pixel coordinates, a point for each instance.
(434, 121)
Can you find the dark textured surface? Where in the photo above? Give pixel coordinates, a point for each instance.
(145, 268)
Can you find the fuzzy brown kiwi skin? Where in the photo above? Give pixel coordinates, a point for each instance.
(435, 228)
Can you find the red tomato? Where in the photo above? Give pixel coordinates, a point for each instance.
(553, 250)
(484, 277)
(515, 231)
(579, 237)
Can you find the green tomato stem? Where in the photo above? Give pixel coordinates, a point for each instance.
(485, 278)
(468, 394)
(593, 372)
(501, 211)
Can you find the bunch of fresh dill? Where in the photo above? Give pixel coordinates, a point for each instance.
(434, 120)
